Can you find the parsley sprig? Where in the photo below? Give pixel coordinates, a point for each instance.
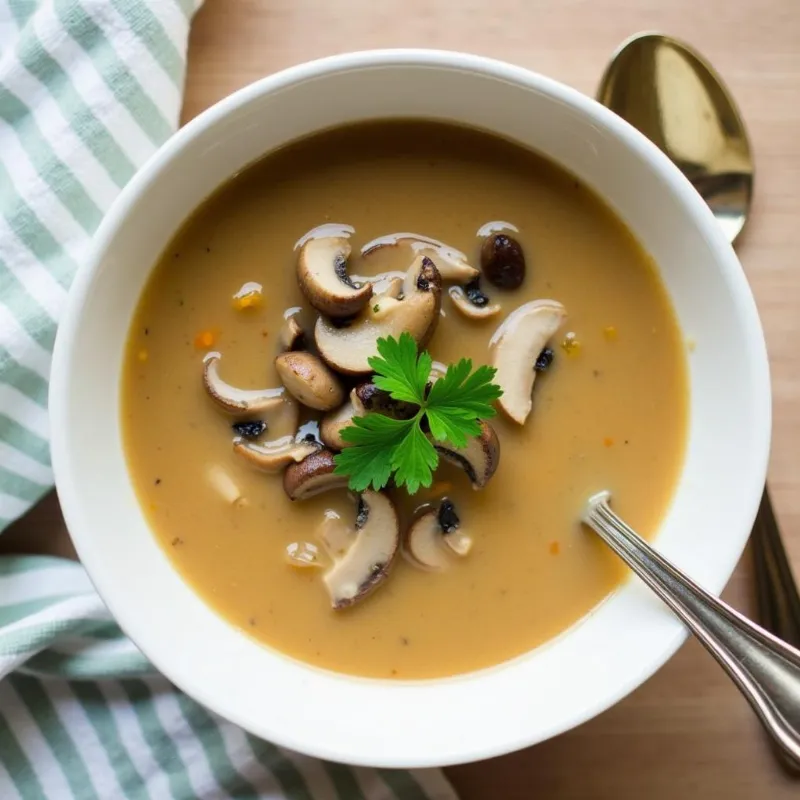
(382, 447)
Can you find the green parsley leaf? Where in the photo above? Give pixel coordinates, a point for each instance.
(381, 446)
(398, 371)
(469, 396)
(414, 460)
(369, 460)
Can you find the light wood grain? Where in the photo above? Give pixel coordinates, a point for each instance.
(686, 733)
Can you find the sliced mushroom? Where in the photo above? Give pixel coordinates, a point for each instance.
(322, 275)
(310, 380)
(479, 459)
(334, 422)
(312, 476)
(435, 534)
(290, 333)
(451, 263)
(469, 309)
(275, 455)
(243, 401)
(515, 346)
(303, 555)
(348, 348)
(366, 564)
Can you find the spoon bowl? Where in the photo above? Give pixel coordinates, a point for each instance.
(675, 98)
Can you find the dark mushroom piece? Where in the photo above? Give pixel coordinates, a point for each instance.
(310, 380)
(348, 348)
(371, 552)
(479, 459)
(503, 261)
(323, 279)
(516, 346)
(312, 476)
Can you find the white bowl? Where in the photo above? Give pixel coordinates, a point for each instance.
(473, 716)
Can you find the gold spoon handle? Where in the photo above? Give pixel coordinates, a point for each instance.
(776, 590)
(766, 670)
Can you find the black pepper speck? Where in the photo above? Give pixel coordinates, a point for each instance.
(251, 429)
(448, 519)
(544, 360)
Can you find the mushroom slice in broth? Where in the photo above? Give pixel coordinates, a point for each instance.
(479, 458)
(451, 263)
(239, 401)
(468, 308)
(312, 476)
(323, 279)
(435, 536)
(348, 348)
(366, 563)
(273, 456)
(515, 346)
(310, 380)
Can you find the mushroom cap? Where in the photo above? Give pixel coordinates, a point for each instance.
(348, 348)
(334, 422)
(515, 346)
(310, 380)
(323, 279)
(366, 564)
(275, 455)
(239, 401)
(312, 476)
(479, 459)
(470, 310)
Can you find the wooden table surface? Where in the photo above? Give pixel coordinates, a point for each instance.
(686, 733)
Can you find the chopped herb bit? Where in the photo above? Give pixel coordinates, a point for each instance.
(376, 308)
(251, 429)
(177, 541)
(544, 360)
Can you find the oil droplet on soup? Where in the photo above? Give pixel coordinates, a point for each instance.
(609, 403)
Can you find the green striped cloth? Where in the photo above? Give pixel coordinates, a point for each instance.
(88, 90)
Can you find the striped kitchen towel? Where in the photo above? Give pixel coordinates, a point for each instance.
(88, 90)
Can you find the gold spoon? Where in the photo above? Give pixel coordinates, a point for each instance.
(675, 98)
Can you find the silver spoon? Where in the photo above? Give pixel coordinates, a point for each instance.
(766, 669)
(675, 98)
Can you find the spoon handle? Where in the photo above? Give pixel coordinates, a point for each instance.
(766, 670)
(778, 600)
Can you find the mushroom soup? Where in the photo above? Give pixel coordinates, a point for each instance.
(255, 341)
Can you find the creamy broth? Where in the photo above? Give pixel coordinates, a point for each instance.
(611, 413)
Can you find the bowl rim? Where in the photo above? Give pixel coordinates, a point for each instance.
(64, 354)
